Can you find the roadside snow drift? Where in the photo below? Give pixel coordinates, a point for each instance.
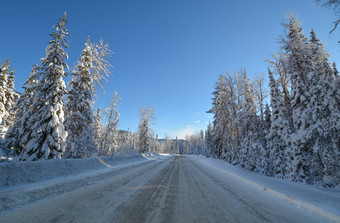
(16, 173)
(324, 202)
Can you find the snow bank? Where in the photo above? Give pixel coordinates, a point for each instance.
(16, 173)
(317, 200)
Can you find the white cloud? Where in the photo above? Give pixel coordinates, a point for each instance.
(188, 130)
(198, 121)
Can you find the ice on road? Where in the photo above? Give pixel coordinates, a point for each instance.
(177, 189)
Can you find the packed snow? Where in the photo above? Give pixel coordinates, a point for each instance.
(154, 187)
(25, 182)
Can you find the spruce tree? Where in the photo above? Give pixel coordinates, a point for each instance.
(20, 114)
(299, 65)
(322, 108)
(79, 107)
(208, 139)
(3, 87)
(97, 129)
(267, 117)
(279, 131)
(47, 135)
(331, 154)
(8, 97)
(221, 116)
(144, 130)
(251, 125)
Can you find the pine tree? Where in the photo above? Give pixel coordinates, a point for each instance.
(3, 87)
(145, 133)
(97, 128)
(79, 107)
(221, 116)
(46, 139)
(322, 108)
(331, 153)
(11, 97)
(249, 124)
(208, 139)
(299, 65)
(8, 97)
(279, 132)
(176, 146)
(92, 69)
(20, 115)
(267, 117)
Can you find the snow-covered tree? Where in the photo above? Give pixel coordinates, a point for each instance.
(101, 66)
(299, 65)
(108, 144)
(144, 130)
(322, 107)
(221, 116)
(80, 98)
(249, 123)
(92, 69)
(331, 155)
(3, 87)
(97, 128)
(208, 139)
(8, 97)
(47, 135)
(20, 114)
(11, 97)
(279, 131)
(280, 68)
(79, 106)
(124, 143)
(267, 117)
(298, 138)
(260, 95)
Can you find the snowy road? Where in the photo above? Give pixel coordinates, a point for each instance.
(178, 189)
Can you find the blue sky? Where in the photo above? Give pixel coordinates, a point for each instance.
(167, 54)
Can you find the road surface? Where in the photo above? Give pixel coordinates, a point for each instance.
(174, 190)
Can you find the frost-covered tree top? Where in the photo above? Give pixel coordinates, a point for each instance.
(26, 99)
(93, 66)
(220, 96)
(54, 62)
(298, 50)
(101, 65)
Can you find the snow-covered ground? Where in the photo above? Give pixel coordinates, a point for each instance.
(22, 183)
(316, 200)
(156, 188)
